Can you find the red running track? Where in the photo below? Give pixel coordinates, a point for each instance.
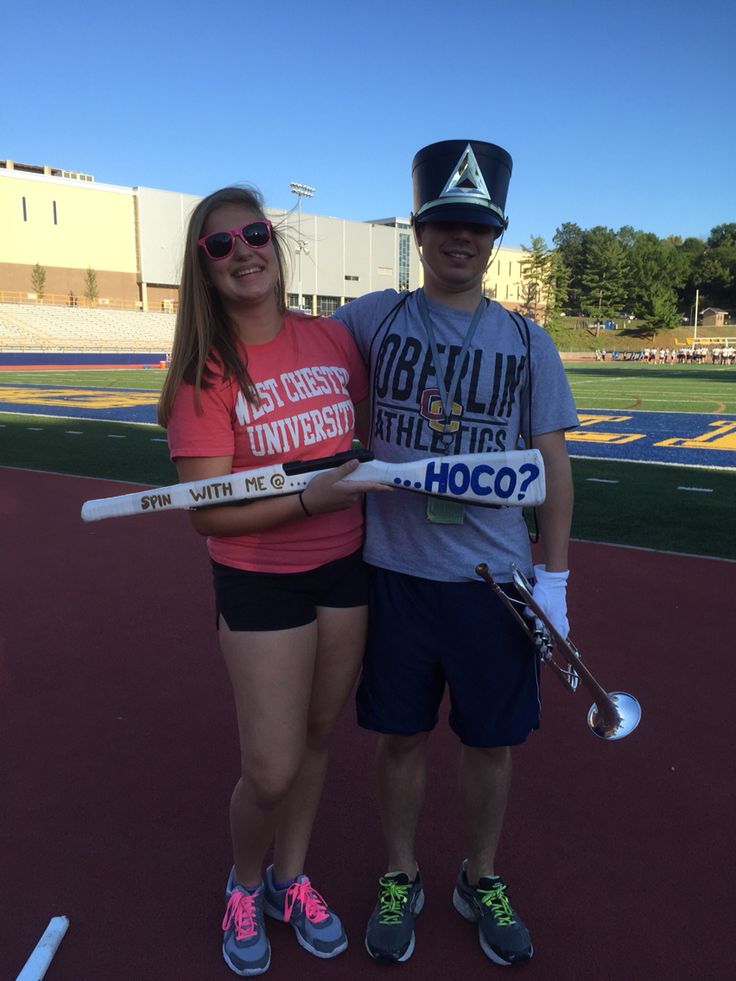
(119, 752)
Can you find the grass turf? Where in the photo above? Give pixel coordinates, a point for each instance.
(620, 503)
(653, 388)
(86, 448)
(656, 507)
(141, 378)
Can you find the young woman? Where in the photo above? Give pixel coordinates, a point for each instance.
(249, 385)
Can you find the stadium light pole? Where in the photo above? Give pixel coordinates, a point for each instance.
(301, 191)
(695, 318)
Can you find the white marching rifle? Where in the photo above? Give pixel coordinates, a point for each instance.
(510, 479)
(38, 963)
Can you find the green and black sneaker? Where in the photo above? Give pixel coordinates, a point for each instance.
(503, 936)
(390, 933)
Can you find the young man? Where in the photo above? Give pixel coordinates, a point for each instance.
(452, 372)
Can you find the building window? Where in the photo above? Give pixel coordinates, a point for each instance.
(292, 301)
(53, 209)
(25, 209)
(326, 305)
(352, 279)
(404, 260)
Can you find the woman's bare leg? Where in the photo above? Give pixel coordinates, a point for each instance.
(271, 674)
(341, 638)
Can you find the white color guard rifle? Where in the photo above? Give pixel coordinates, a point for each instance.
(511, 479)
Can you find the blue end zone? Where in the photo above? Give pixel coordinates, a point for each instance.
(685, 438)
(118, 405)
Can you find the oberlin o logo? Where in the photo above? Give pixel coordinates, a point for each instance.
(431, 410)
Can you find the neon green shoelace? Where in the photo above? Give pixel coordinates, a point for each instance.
(393, 899)
(496, 901)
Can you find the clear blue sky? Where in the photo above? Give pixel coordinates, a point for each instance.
(615, 113)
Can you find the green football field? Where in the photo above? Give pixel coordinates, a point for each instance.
(653, 387)
(682, 509)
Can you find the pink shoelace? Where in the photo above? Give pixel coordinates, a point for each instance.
(314, 906)
(241, 913)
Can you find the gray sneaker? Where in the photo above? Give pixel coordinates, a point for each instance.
(318, 928)
(245, 945)
(503, 936)
(390, 933)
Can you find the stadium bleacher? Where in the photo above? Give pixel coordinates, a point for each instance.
(34, 327)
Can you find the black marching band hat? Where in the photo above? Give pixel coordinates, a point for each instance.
(461, 180)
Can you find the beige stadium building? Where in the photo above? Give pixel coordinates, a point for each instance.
(129, 240)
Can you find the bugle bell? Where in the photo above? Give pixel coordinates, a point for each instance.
(613, 715)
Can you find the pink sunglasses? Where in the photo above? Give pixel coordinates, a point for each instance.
(219, 245)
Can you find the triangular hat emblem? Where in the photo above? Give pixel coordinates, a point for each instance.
(474, 177)
(466, 178)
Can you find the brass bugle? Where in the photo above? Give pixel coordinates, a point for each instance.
(612, 715)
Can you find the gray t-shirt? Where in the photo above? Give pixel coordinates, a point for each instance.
(490, 412)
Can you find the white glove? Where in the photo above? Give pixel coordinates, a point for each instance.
(550, 592)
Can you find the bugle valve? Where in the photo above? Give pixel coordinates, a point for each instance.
(613, 715)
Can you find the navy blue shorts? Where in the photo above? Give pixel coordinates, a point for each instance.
(424, 635)
(276, 601)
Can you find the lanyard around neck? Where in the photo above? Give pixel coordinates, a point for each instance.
(445, 396)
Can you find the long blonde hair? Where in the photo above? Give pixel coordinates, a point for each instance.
(203, 329)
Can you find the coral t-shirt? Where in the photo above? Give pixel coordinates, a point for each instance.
(308, 379)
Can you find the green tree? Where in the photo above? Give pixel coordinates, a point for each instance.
(544, 282)
(90, 285)
(661, 311)
(601, 272)
(38, 280)
(722, 235)
(535, 277)
(569, 240)
(603, 281)
(715, 271)
(559, 297)
(529, 299)
(658, 268)
(691, 251)
(627, 236)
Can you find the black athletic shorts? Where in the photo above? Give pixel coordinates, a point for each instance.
(426, 636)
(276, 601)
